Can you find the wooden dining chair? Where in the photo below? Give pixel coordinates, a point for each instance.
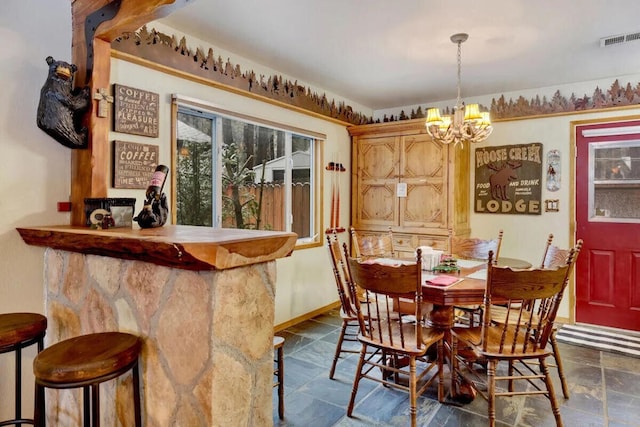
(471, 248)
(348, 311)
(521, 338)
(372, 245)
(554, 257)
(395, 343)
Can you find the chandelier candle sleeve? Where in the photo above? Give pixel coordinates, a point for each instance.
(468, 123)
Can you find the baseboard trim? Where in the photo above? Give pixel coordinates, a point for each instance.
(306, 316)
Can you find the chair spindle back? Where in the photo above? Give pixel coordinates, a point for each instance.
(474, 248)
(367, 246)
(384, 283)
(527, 330)
(340, 273)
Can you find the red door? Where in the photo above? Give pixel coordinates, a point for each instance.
(608, 221)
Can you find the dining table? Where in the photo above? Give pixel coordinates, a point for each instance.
(468, 290)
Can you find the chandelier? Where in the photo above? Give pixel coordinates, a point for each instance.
(466, 123)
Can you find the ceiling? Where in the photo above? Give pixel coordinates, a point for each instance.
(386, 54)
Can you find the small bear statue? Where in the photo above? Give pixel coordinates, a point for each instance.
(61, 107)
(154, 213)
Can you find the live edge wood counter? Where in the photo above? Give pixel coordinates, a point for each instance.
(176, 246)
(202, 300)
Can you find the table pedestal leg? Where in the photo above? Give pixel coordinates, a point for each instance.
(442, 317)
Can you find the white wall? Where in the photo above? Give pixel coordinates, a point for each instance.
(34, 168)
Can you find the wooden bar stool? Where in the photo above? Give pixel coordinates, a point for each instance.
(17, 331)
(278, 343)
(86, 361)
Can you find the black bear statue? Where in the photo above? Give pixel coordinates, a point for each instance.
(61, 106)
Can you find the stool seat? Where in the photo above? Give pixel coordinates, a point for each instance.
(18, 331)
(277, 342)
(16, 328)
(87, 359)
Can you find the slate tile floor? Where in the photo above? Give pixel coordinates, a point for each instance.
(604, 387)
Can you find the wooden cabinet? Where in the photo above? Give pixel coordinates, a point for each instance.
(401, 178)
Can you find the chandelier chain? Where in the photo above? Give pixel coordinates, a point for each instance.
(459, 100)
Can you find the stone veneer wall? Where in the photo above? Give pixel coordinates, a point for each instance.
(207, 358)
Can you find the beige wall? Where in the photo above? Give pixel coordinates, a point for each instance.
(304, 280)
(525, 235)
(34, 168)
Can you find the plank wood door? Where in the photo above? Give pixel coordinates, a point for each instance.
(608, 221)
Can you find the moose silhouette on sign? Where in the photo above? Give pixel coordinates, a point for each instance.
(499, 180)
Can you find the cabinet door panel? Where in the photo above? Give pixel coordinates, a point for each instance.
(424, 206)
(378, 205)
(378, 158)
(423, 158)
(423, 164)
(378, 162)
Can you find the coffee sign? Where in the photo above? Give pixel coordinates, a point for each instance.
(133, 164)
(508, 179)
(136, 111)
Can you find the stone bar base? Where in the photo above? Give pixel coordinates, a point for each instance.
(207, 358)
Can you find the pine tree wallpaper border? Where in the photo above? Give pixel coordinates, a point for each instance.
(165, 50)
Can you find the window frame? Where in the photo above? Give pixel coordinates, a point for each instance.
(199, 107)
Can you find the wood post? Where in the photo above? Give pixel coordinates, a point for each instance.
(89, 167)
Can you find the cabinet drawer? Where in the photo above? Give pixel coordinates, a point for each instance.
(404, 242)
(407, 243)
(436, 242)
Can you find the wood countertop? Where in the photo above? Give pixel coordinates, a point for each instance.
(177, 246)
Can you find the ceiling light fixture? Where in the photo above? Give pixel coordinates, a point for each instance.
(466, 123)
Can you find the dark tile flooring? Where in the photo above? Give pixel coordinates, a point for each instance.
(604, 387)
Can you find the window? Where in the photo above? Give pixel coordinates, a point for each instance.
(614, 181)
(236, 173)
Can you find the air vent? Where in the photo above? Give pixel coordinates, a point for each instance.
(622, 38)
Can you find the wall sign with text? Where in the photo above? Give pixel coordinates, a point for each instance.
(133, 164)
(136, 111)
(508, 179)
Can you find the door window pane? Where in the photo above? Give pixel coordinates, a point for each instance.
(614, 193)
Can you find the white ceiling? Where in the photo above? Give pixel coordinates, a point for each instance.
(392, 53)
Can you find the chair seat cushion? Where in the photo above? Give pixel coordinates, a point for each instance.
(86, 358)
(20, 327)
